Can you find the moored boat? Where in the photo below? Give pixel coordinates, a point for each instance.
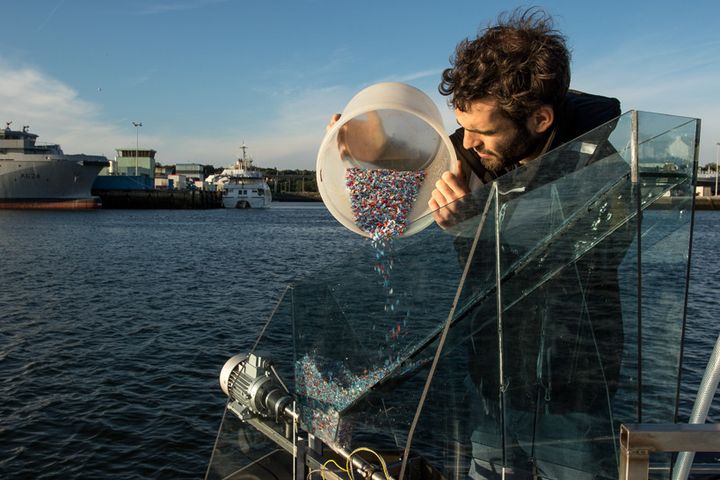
(42, 176)
(242, 185)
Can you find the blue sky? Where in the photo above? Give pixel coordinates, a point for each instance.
(205, 75)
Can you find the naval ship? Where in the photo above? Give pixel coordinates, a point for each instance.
(42, 176)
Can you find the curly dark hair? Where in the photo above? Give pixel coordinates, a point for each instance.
(522, 62)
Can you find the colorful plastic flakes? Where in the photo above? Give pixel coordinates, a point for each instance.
(340, 389)
(381, 199)
(330, 392)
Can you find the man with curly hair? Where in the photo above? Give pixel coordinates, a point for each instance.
(509, 88)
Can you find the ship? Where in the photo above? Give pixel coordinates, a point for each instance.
(41, 176)
(242, 185)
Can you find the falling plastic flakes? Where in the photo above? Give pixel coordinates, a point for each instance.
(381, 199)
(384, 259)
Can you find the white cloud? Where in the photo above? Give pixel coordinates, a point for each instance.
(289, 140)
(291, 133)
(54, 111)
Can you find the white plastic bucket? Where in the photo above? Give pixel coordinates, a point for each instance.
(389, 127)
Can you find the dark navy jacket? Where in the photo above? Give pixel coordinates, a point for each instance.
(580, 113)
(576, 368)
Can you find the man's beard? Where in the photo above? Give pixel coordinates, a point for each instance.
(520, 146)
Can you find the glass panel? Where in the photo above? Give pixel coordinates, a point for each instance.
(667, 163)
(563, 330)
(357, 324)
(241, 450)
(568, 266)
(544, 229)
(542, 359)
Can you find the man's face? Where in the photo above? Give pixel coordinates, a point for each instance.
(495, 138)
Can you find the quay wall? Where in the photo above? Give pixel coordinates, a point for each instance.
(707, 203)
(159, 199)
(296, 197)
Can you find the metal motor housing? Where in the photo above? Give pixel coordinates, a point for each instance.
(249, 379)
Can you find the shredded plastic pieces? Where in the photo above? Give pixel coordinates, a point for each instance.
(339, 388)
(331, 390)
(381, 199)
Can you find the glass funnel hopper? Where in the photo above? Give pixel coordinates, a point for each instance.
(558, 301)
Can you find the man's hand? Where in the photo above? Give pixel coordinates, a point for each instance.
(450, 188)
(362, 140)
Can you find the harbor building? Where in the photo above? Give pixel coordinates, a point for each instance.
(135, 162)
(191, 170)
(195, 174)
(162, 171)
(131, 169)
(136, 180)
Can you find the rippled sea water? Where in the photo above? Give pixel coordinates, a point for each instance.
(115, 324)
(703, 314)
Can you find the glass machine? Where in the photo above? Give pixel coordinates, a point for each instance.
(519, 339)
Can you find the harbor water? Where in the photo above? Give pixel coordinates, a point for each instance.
(115, 324)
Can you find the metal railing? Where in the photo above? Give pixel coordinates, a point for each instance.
(638, 441)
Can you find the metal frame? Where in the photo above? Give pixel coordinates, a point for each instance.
(638, 441)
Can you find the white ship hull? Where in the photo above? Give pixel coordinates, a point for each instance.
(247, 196)
(242, 185)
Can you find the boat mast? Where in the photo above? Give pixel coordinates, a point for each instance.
(244, 148)
(245, 161)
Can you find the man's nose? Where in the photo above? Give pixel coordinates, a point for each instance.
(471, 140)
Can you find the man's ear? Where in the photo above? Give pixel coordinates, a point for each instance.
(542, 119)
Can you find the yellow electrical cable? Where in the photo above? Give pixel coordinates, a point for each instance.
(348, 463)
(324, 467)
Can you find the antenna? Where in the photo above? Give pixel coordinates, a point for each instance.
(244, 148)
